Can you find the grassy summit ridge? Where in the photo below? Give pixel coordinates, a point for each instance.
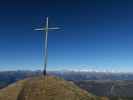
(44, 88)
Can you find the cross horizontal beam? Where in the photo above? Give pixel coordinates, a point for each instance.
(44, 29)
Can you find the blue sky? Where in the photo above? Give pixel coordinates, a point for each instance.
(95, 34)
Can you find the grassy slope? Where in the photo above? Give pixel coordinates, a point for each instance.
(11, 92)
(40, 88)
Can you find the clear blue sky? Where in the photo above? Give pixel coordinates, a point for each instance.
(95, 34)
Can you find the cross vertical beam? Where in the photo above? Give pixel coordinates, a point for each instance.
(46, 48)
(46, 30)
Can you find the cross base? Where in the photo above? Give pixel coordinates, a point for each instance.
(44, 73)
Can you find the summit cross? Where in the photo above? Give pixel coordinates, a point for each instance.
(46, 29)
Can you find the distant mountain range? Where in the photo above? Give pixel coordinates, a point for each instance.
(99, 83)
(7, 77)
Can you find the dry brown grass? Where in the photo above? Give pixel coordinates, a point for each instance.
(12, 91)
(44, 88)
